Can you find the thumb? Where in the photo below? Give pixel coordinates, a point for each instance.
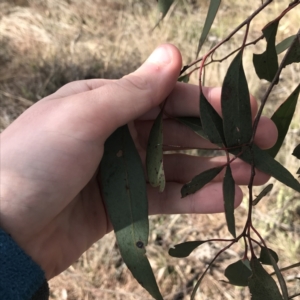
(124, 100)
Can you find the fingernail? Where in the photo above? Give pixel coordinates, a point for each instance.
(161, 56)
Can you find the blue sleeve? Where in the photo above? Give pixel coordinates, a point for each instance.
(20, 277)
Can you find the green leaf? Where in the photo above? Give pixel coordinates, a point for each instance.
(123, 187)
(200, 181)
(293, 54)
(238, 273)
(266, 64)
(211, 14)
(235, 102)
(164, 6)
(193, 123)
(265, 258)
(229, 193)
(262, 286)
(282, 119)
(263, 193)
(184, 78)
(154, 157)
(296, 152)
(266, 163)
(279, 276)
(184, 249)
(285, 44)
(211, 122)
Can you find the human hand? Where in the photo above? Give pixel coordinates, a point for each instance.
(50, 200)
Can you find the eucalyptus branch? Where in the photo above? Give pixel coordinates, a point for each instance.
(287, 268)
(271, 86)
(246, 21)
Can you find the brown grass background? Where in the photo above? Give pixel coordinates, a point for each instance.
(47, 43)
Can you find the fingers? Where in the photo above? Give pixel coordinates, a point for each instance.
(184, 101)
(182, 168)
(177, 134)
(207, 200)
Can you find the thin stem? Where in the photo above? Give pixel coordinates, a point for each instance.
(287, 268)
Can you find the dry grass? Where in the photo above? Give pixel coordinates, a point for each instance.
(45, 44)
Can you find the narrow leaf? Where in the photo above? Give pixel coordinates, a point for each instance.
(285, 44)
(184, 249)
(265, 258)
(193, 123)
(296, 152)
(293, 55)
(211, 122)
(211, 14)
(263, 193)
(123, 187)
(266, 163)
(282, 119)
(164, 6)
(229, 193)
(235, 102)
(262, 286)
(279, 276)
(266, 64)
(238, 273)
(184, 78)
(200, 181)
(154, 157)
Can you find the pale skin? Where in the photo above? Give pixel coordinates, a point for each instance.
(51, 204)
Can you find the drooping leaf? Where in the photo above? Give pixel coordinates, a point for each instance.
(294, 52)
(266, 64)
(185, 249)
(193, 123)
(282, 119)
(296, 152)
(123, 187)
(229, 193)
(164, 6)
(211, 14)
(154, 157)
(184, 78)
(263, 193)
(266, 163)
(262, 286)
(265, 258)
(235, 102)
(279, 276)
(211, 122)
(285, 44)
(200, 181)
(238, 273)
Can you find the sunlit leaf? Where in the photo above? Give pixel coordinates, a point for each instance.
(266, 163)
(266, 64)
(238, 273)
(285, 44)
(235, 101)
(229, 193)
(262, 286)
(200, 181)
(193, 123)
(294, 52)
(123, 187)
(184, 78)
(265, 258)
(154, 158)
(184, 249)
(211, 122)
(296, 152)
(211, 14)
(282, 119)
(263, 193)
